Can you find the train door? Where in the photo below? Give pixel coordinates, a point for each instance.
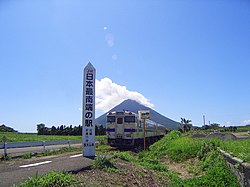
(120, 128)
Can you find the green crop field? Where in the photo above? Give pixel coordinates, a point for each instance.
(243, 128)
(33, 137)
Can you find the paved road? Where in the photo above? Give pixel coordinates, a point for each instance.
(15, 171)
(39, 149)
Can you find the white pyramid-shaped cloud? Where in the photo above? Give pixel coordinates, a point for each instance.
(110, 94)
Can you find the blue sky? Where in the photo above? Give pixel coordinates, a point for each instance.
(185, 58)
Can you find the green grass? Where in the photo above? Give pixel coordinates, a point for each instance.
(27, 155)
(243, 128)
(239, 148)
(59, 151)
(216, 173)
(33, 137)
(142, 159)
(55, 179)
(212, 169)
(104, 164)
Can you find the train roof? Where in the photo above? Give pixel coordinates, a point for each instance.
(121, 112)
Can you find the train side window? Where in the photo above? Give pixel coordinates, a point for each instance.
(110, 119)
(129, 119)
(119, 121)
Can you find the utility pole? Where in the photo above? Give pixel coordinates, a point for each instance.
(143, 115)
(144, 132)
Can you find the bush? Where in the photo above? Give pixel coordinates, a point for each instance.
(27, 155)
(7, 157)
(105, 164)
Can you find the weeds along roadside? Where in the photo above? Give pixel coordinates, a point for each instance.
(55, 179)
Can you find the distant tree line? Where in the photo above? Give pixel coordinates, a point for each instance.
(213, 126)
(4, 128)
(67, 130)
(216, 126)
(230, 129)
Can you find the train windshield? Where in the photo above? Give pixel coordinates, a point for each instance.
(119, 120)
(129, 119)
(110, 119)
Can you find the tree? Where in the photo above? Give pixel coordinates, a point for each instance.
(40, 128)
(205, 127)
(186, 124)
(215, 125)
(53, 130)
(102, 130)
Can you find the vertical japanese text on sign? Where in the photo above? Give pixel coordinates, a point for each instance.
(89, 111)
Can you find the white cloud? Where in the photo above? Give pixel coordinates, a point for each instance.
(110, 94)
(114, 57)
(110, 40)
(246, 122)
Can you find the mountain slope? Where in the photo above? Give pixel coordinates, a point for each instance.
(134, 106)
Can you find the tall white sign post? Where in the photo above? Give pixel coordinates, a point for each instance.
(88, 111)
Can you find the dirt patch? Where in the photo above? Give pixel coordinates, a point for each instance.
(199, 135)
(128, 174)
(186, 170)
(222, 136)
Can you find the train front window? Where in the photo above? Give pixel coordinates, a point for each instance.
(129, 119)
(119, 121)
(110, 119)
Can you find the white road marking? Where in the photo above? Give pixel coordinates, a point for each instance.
(36, 164)
(74, 156)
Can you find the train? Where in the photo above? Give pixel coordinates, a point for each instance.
(124, 129)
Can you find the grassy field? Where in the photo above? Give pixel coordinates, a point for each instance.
(243, 128)
(238, 148)
(33, 137)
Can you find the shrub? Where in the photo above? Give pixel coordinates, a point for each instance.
(55, 179)
(27, 155)
(7, 157)
(105, 164)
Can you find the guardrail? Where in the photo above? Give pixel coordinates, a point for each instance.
(35, 144)
(11, 145)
